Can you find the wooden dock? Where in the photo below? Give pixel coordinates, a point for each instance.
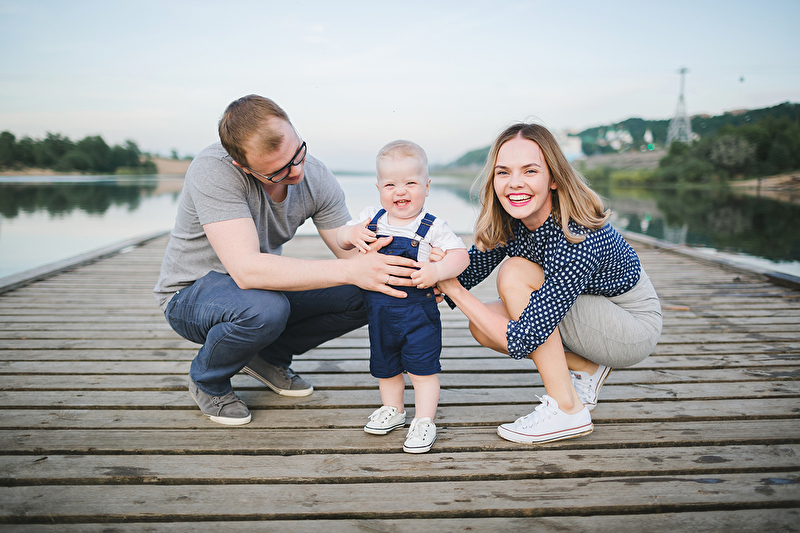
(99, 433)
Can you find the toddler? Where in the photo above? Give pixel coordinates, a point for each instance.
(405, 333)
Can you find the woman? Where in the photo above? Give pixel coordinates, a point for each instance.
(573, 295)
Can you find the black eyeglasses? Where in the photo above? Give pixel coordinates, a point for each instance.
(284, 172)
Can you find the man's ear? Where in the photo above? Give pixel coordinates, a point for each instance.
(237, 164)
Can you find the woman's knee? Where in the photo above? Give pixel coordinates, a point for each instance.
(517, 272)
(517, 280)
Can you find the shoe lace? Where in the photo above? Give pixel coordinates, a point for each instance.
(418, 431)
(228, 399)
(583, 386)
(382, 414)
(542, 412)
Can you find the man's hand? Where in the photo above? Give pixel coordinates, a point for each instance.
(375, 272)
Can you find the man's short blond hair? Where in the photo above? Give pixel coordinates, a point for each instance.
(245, 123)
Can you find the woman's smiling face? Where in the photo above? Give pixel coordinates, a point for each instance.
(522, 182)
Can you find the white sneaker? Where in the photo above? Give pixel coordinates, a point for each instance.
(385, 419)
(547, 423)
(588, 387)
(421, 436)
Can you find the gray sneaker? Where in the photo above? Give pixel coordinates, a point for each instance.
(229, 409)
(282, 380)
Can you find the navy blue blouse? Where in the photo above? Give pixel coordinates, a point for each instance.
(603, 264)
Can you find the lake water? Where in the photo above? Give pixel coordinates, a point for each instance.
(48, 219)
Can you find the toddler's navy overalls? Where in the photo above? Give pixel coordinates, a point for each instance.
(404, 333)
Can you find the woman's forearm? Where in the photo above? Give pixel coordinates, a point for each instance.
(490, 323)
(453, 263)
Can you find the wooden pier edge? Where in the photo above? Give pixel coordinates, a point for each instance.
(778, 278)
(15, 281)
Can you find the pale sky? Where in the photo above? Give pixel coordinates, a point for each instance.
(354, 75)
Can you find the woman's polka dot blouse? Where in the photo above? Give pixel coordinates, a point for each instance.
(603, 264)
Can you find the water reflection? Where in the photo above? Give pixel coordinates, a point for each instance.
(48, 219)
(59, 198)
(714, 218)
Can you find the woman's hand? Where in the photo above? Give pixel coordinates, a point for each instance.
(446, 286)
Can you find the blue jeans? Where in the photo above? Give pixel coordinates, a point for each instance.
(235, 325)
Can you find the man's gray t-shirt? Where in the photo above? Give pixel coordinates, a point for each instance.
(215, 190)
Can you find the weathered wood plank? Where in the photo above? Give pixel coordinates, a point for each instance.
(455, 328)
(776, 349)
(174, 342)
(538, 497)
(446, 416)
(481, 360)
(32, 312)
(359, 468)
(331, 381)
(357, 397)
(742, 521)
(272, 441)
(122, 305)
(111, 324)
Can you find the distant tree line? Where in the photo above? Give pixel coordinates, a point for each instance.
(756, 142)
(762, 147)
(637, 127)
(702, 125)
(91, 154)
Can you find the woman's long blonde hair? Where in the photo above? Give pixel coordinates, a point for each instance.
(572, 198)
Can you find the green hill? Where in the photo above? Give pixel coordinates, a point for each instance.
(594, 140)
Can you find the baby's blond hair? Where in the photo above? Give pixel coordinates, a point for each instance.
(402, 148)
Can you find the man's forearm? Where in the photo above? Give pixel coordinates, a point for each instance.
(279, 273)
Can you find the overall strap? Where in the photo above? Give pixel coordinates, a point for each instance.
(373, 224)
(423, 228)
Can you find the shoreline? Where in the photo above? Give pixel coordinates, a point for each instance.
(163, 166)
(781, 187)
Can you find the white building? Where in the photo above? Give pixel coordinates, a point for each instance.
(570, 145)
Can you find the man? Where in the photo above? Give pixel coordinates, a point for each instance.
(223, 282)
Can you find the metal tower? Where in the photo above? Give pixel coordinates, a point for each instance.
(680, 129)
